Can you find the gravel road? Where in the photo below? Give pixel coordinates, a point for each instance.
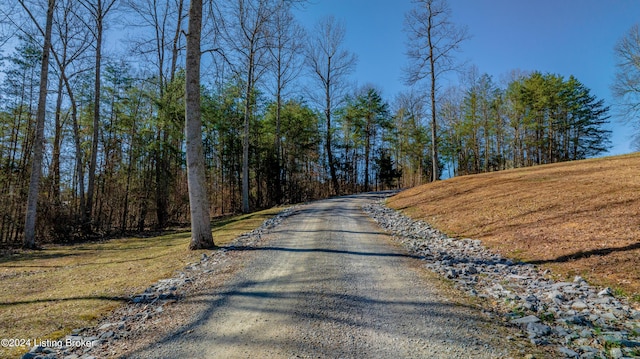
(331, 284)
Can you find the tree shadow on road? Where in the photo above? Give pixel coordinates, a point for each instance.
(324, 250)
(318, 308)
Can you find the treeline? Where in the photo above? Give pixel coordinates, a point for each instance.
(536, 119)
(281, 124)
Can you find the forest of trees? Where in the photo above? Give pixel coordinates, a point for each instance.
(536, 119)
(281, 122)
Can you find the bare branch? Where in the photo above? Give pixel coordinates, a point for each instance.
(626, 85)
(433, 40)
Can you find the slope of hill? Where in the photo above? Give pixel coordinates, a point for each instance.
(576, 218)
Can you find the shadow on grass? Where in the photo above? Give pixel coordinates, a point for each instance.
(75, 265)
(38, 255)
(50, 300)
(221, 222)
(586, 254)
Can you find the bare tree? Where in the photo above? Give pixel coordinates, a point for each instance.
(626, 85)
(73, 39)
(433, 39)
(38, 148)
(7, 31)
(161, 42)
(330, 65)
(285, 45)
(160, 39)
(246, 35)
(98, 10)
(201, 236)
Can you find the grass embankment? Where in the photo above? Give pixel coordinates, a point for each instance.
(45, 294)
(576, 218)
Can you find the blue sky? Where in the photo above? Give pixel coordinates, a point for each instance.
(567, 37)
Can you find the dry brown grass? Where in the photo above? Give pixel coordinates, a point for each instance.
(45, 294)
(577, 218)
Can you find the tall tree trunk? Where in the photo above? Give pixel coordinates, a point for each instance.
(38, 150)
(198, 200)
(327, 112)
(55, 155)
(434, 125)
(132, 145)
(367, 154)
(163, 165)
(245, 139)
(78, 146)
(96, 122)
(432, 37)
(99, 11)
(175, 48)
(278, 143)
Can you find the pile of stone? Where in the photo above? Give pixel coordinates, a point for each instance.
(580, 320)
(90, 343)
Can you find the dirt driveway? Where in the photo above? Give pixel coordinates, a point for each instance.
(330, 284)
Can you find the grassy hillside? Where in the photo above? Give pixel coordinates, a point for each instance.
(576, 218)
(45, 294)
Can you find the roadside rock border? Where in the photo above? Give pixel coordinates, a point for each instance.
(579, 320)
(143, 308)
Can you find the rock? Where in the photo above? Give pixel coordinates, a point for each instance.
(530, 306)
(588, 349)
(579, 305)
(589, 355)
(539, 341)
(526, 320)
(139, 299)
(568, 352)
(576, 319)
(106, 326)
(556, 294)
(560, 285)
(106, 335)
(605, 292)
(561, 331)
(629, 343)
(616, 353)
(532, 299)
(586, 333)
(36, 349)
(538, 329)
